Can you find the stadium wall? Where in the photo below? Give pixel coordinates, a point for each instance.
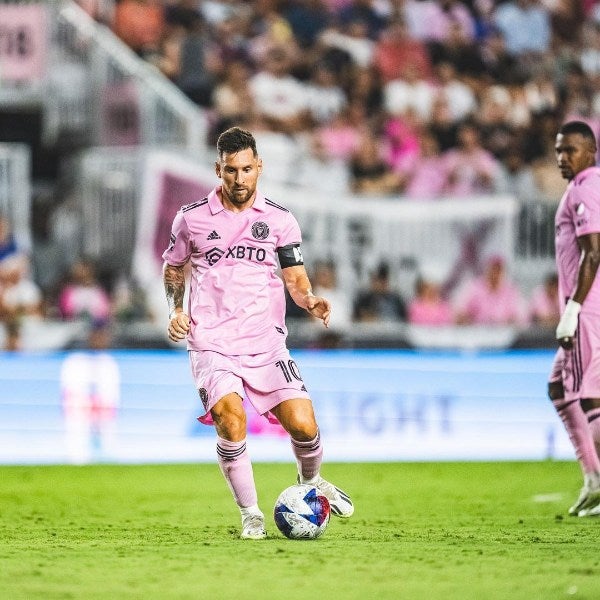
(371, 405)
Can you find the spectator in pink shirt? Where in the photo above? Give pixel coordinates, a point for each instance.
(401, 138)
(341, 137)
(492, 299)
(470, 168)
(83, 297)
(425, 177)
(544, 306)
(442, 16)
(428, 307)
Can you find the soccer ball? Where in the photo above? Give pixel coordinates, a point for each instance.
(301, 512)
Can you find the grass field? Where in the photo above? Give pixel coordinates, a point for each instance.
(421, 530)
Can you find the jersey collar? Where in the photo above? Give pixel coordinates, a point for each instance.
(216, 205)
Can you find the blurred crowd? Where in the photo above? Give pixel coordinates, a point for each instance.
(414, 99)
(48, 283)
(81, 295)
(419, 98)
(489, 298)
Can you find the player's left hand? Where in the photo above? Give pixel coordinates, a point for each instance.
(319, 307)
(565, 331)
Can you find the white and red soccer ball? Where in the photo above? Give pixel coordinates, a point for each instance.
(301, 512)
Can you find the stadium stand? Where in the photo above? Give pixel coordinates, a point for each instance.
(91, 128)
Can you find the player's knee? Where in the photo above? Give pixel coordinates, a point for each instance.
(230, 424)
(297, 417)
(302, 427)
(556, 390)
(230, 428)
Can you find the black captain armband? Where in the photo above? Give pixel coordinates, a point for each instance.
(290, 256)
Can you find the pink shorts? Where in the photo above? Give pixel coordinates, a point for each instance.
(265, 379)
(579, 368)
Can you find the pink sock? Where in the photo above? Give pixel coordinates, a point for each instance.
(593, 417)
(236, 467)
(309, 456)
(576, 424)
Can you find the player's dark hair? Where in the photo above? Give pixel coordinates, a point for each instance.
(579, 127)
(234, 140)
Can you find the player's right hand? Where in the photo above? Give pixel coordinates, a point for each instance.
(319, 307)
(179, 326)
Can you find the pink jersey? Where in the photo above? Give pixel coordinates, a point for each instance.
(578, 214)
(236, 300)
(421, 312)
(484, 306)
(542, 306)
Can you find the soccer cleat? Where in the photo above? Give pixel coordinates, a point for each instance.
(253, 527)
(589, 497)
(339, 501)
(594, 511)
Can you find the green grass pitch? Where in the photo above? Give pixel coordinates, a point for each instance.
(420, 531)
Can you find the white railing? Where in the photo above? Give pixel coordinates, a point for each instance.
(93, 79)
(15, 190)
(107, 199)
(91, 68)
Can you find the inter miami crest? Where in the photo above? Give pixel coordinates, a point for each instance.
(260, 230)
(204, 397)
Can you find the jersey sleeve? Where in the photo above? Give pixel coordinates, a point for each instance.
(585, 204)
(290, 232)
(179, 249)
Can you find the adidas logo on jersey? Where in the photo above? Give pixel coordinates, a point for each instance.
(213, 235)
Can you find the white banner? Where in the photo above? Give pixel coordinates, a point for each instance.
(370, 405)
(454, 236)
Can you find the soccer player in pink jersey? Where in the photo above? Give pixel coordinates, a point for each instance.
(574, 384)
(235, 239)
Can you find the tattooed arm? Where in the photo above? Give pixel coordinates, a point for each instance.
(179, 321)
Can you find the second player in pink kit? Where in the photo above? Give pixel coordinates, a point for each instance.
(236, 240)
(574, 385)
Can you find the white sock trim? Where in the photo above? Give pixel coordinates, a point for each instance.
(250, 510)
(310, 481)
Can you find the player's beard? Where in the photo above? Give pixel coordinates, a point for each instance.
(239, 196)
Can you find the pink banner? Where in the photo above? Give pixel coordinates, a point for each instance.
(23, 41)
(120, 115)
(175, 191)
